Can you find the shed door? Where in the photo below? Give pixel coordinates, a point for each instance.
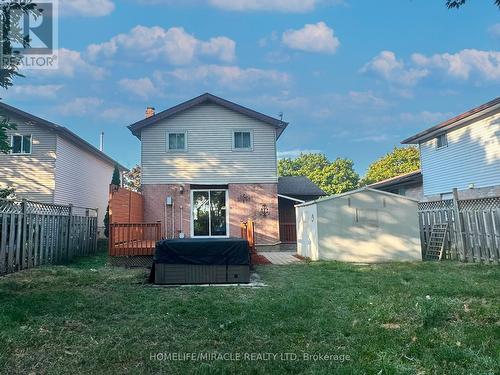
(307, 231)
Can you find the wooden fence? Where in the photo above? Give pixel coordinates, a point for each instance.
(34, 234)
(473, 228)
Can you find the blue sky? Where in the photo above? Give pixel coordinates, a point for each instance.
(352, 77)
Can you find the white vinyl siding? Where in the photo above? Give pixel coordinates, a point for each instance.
(210, 158)
(81, 178)
(472, 157)
(31, 175)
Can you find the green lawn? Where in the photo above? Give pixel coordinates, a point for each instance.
(380, 319)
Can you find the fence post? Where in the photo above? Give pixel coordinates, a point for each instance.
(96, 235)
(458, 220)
(69, 244)
(23, 259)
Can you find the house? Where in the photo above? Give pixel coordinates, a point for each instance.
(207, 165)
(463, 153)
(293, 190)
(50, 164)
(363, 225)
(408, 184)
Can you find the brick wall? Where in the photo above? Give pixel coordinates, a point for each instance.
(125, 206)
(245, 201)
(155, 208)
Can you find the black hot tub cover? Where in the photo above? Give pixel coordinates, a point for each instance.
(213, 251)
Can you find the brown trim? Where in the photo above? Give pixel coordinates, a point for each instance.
(208, 187)
(207, 97)
(452, 123)
(65, 132)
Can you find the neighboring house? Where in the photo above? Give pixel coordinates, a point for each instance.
(294, 190)
(408, 184)
(462, 153)
(207, 165)
(50, 164)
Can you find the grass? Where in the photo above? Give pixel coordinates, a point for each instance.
(427, 318)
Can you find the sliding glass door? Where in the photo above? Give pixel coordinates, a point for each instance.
(209, 214)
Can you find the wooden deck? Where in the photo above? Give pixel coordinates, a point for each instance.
(133, 239)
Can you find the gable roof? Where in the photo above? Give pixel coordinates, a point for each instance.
(62, 131)
(403, 179)
(207, 98)
(454, 122)
(294, 186)
(365, 188)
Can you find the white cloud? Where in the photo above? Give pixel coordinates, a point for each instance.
(463, 64)
(292, 6)
(120, 113)
(87, 8)
(230, 76)
(374, 138)
(366, 98)
(424, 117)
(80, 106)
(174, 45)
(387, 66)
(71, 64)
(142, 87)
(33, 91)
(285, 6)
(495, 30)
(312, 38)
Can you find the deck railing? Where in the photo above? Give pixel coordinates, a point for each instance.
(133, 239)
(248, 233)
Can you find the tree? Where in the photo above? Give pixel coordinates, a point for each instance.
(6, 193)
(115, 180)
(458, 3)
(132, 179)
(10, 14)
(399, 161)
(333, 177)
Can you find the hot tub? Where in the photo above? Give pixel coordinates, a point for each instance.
(201, 261)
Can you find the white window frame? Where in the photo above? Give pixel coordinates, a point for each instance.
(233, 145)
(445, 137)
(210, 216)
(167, 141)
(22, 144)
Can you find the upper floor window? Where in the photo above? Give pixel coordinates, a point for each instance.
(242, 140)
(21, 144)
(441, 141)
(177, 141)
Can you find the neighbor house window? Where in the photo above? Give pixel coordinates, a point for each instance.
(21, 144)
(441, 141)
(176, 141)
(242, 140)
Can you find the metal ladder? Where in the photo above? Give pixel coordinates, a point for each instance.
(435, 246)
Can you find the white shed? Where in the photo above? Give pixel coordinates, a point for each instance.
(364, 225)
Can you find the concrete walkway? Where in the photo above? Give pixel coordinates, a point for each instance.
(280, 258)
